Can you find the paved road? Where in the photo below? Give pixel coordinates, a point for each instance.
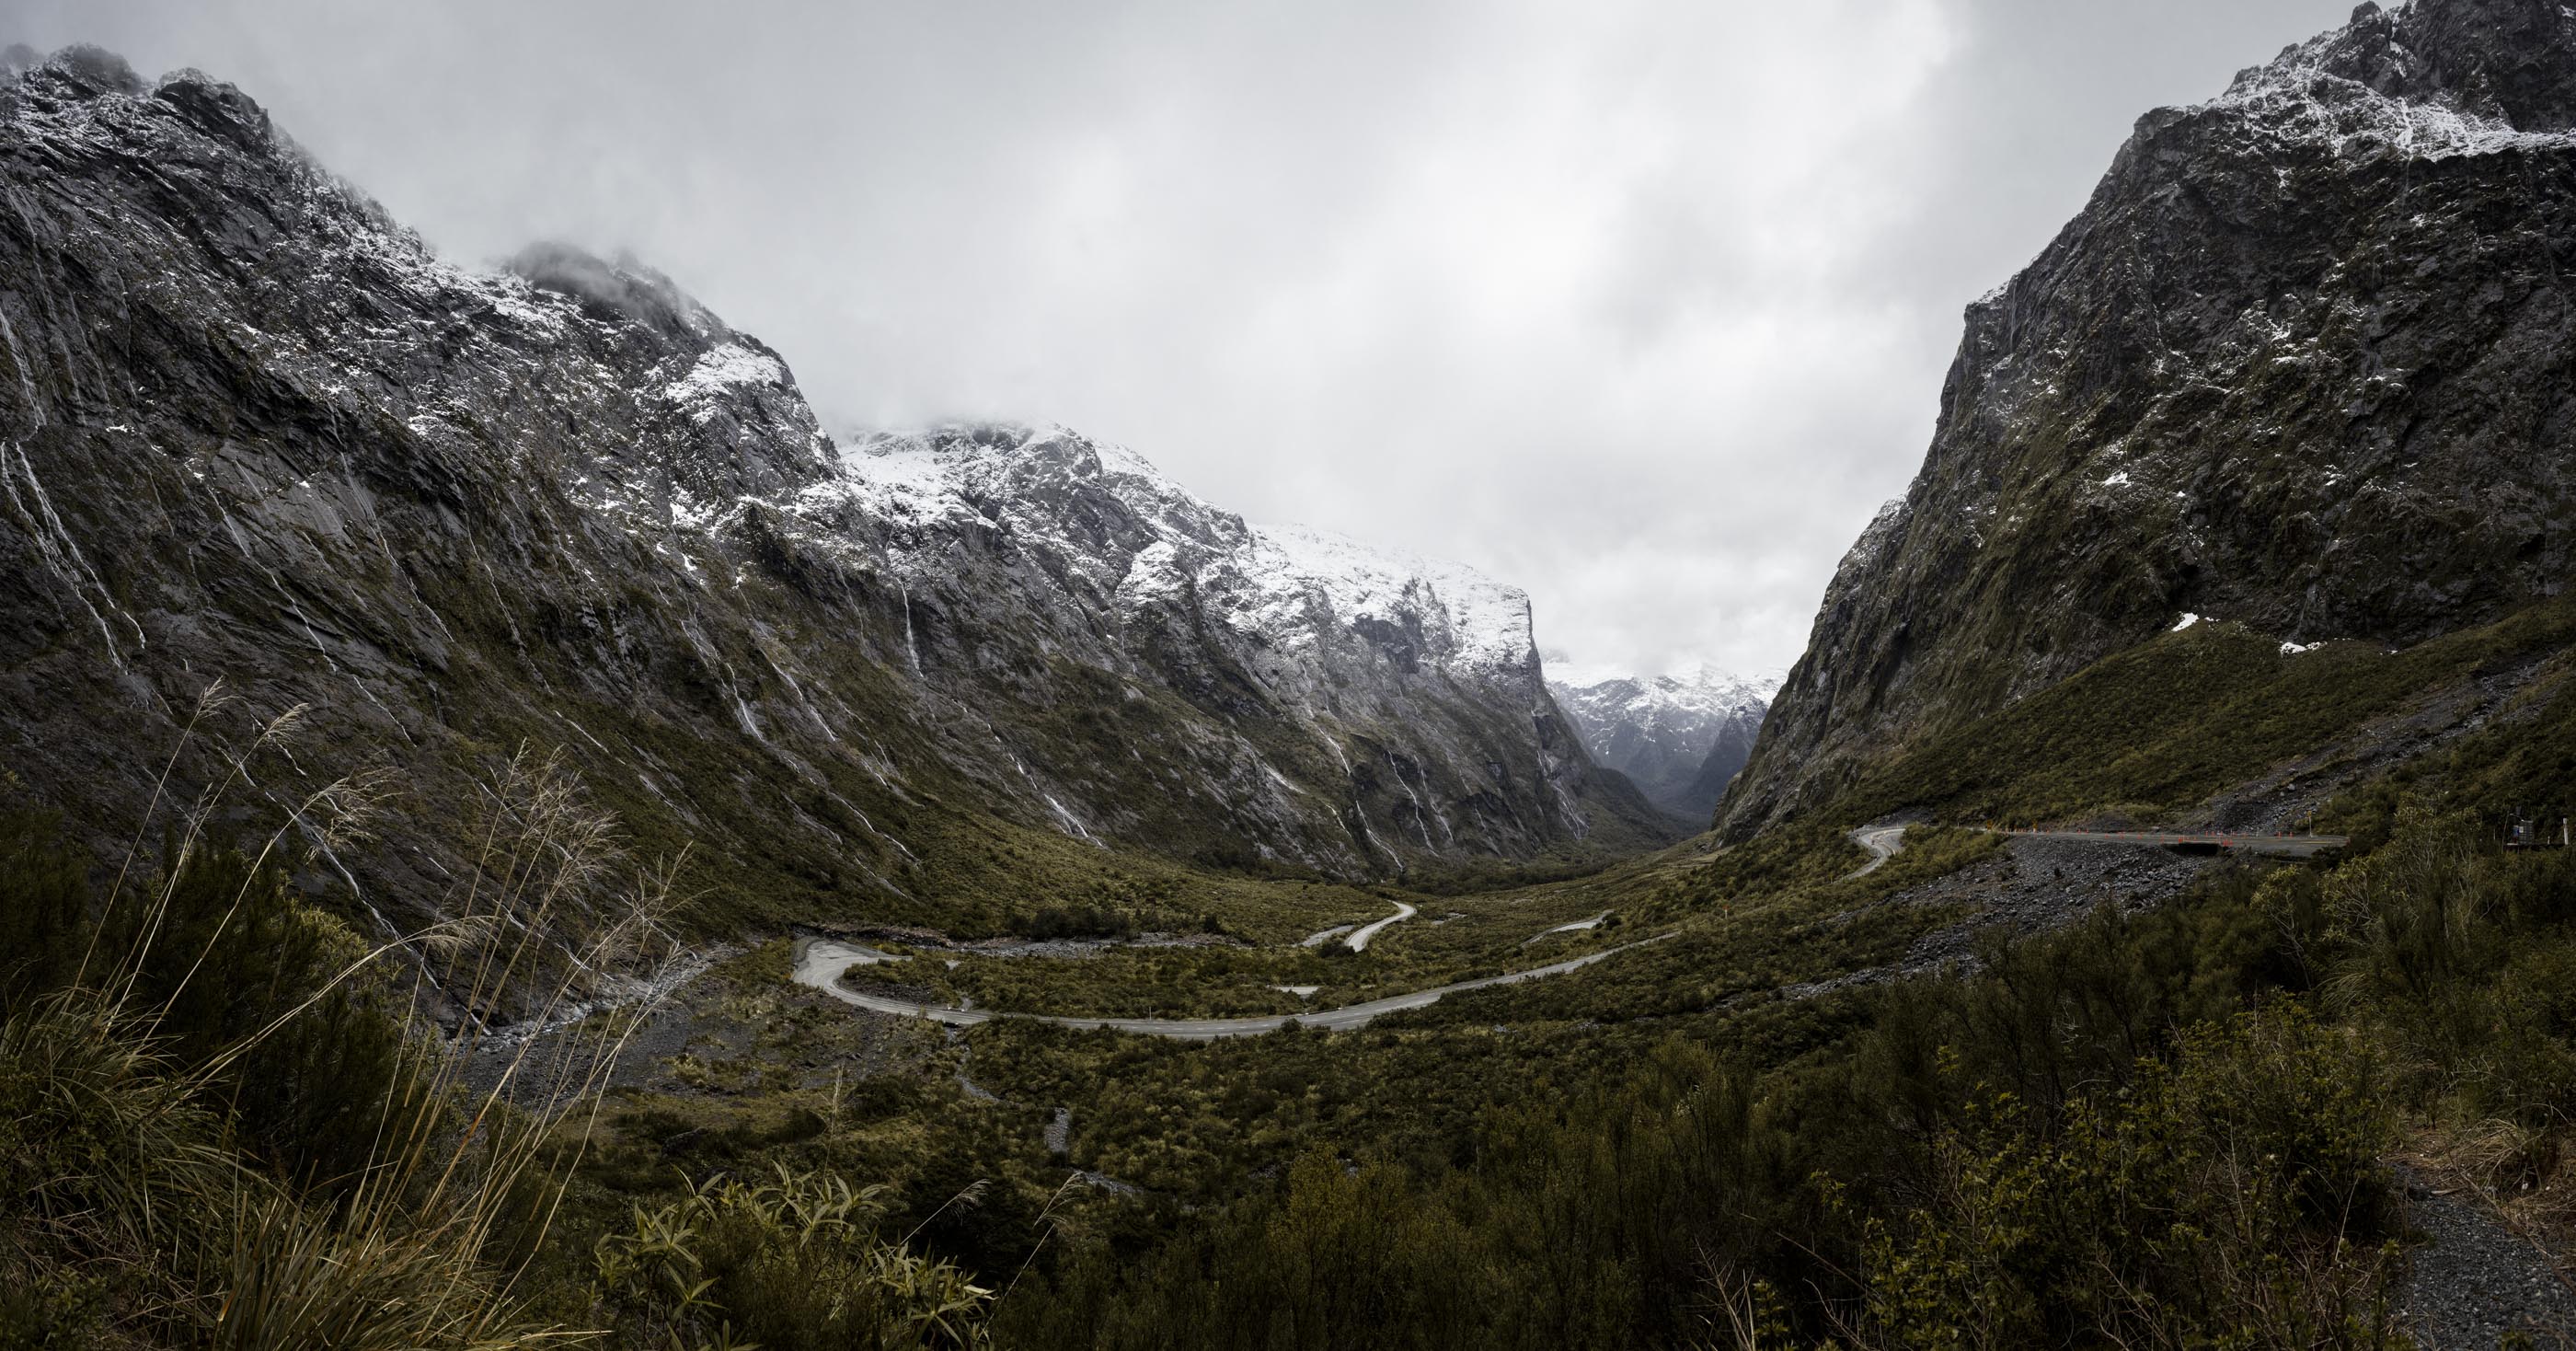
(1882, 842)
(1358, 942)
(1576, 927)
(821, 961)
(2285, 846)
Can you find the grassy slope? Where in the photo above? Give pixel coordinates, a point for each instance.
(2164, 725)
(783, 829)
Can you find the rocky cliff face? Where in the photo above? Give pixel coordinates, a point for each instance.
(250, 429)
(1680, 739)
(2304, 361)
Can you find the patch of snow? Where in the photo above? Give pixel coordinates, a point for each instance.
(1154, 574)
(2188, 619)
(1307, 582)
(1652, 702)
(723, 368)
(2303, 95)
(1299, 590)
(688, 513)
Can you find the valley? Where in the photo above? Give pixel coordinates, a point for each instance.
(512, 832)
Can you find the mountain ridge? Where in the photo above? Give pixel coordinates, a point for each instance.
(2298, 364)
(256, 430)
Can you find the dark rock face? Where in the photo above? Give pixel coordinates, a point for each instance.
(1680, 739)
(1727, 756)
(2307, 360)
(252, 430)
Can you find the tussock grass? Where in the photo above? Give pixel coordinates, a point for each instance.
(229, 1121)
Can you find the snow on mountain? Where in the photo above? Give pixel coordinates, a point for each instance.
(2299, 361)
(2391, 83)
(1294, 588)
(567, 505)
(1680, 737)
(1404, 689)
(1307, 578)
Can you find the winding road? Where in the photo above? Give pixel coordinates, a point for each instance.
(2284, 846)
(820, 963)
(1577, 926)
(1359, 941)
(1360, 934)
(1882, 842)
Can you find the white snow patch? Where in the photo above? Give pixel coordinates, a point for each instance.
(2298, 97)
(1308, 582)
(725, 367)
(1301, 590)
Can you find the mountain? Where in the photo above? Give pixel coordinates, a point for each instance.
(1680, 738)
(2304, 362)
(1350, 707)
(252, 430)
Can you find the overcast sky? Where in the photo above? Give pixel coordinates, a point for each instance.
(1642, 305)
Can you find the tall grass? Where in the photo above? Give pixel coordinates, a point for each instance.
(229, 1121)
(143, 1216)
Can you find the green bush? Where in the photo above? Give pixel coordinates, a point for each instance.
(790, 1264)
(2230, 1195)
(214, 956)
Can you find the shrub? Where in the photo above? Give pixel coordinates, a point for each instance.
(791, 1263)
(2233, 1191)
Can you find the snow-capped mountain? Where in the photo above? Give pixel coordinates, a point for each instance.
(1680, 738)
(2301, 361)
(1128, 539)
(252, 429)
(1401, 697)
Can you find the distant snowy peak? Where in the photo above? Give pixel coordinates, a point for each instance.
(1700, 693)
(1680, 737)
(1109, 516)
